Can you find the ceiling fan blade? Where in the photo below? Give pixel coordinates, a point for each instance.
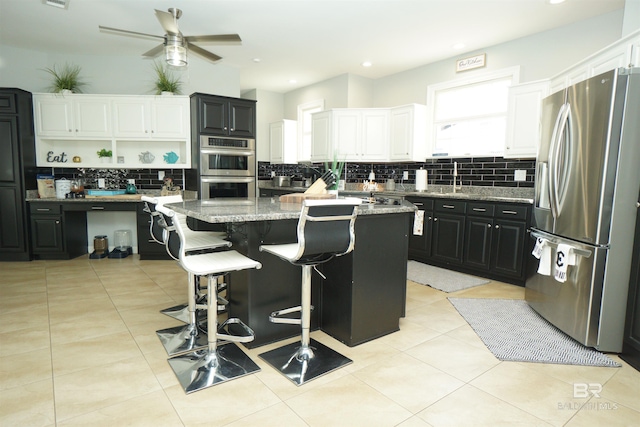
(127, 32)
(214, 38)
(204, 53)
(154, 52)
(168, 22)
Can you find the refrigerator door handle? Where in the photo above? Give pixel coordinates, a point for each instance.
(557, 177)
(550, 241)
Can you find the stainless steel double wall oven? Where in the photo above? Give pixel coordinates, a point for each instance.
(227, 167)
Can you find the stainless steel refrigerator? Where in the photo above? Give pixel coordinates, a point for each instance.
(587, 180)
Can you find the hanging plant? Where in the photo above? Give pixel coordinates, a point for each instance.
(67, 78)
(166, 81)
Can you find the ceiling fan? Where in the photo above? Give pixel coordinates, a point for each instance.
(175, 44)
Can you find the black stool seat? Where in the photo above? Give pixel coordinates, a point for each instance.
(325, 230)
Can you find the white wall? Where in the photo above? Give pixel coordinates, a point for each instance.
(269, 109)
(113, 74)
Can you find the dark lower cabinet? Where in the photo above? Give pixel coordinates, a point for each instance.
(55, 233)
(483, 238)
(631, 341)
(448, 231)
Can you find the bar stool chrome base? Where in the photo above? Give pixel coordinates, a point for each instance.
(181, 339)
(302, 364)
(178, 312)
(203, 368)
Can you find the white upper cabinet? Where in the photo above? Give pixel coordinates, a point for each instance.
(351, 134)
(523, 119)
(283, 142)
(70, 129)
(72, 116)
(407, 134)
(160, 117)
(623, 53)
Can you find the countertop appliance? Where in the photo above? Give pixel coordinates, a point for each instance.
(587, 180)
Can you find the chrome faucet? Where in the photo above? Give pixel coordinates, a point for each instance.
(455, 177)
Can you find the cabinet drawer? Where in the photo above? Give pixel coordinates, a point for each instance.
(451, 206)
(480, 209)
(422, 203)
(45, 208)
(512, 212)
(100, 206)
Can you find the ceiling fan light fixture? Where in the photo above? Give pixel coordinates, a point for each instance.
(175, 52)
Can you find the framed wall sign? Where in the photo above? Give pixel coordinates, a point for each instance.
(471, 62)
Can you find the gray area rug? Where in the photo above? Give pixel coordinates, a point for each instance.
(440, 278)
(513, 331)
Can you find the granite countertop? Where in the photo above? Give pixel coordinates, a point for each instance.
(496, 194)
(265, 209)
(32, 196)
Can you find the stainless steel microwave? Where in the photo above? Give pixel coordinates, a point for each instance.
(227, 156)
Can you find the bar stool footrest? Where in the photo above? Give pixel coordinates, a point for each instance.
(276, 316)
(242, 332)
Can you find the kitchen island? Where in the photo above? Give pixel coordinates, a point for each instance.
(362, 296)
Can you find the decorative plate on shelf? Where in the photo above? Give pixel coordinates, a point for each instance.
(171, 157)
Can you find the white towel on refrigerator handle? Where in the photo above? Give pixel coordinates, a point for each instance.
(542, 251)
(564, 258)
(418, 223)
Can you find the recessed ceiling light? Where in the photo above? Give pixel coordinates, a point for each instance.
(293, 81)
(62, 4)
(256, 60)
(556, 1)
(367, 64)
(458, 46)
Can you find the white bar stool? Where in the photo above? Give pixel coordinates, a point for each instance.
(325, 230)
(161, 233)
(222, 362)
(181, 339)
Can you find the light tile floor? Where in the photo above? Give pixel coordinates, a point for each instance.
(78, 348)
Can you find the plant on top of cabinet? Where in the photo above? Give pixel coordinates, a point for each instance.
(66, 79)
(166, 81)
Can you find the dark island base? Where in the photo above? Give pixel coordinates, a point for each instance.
(362, 298)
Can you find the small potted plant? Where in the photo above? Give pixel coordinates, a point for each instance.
(65, 80)
(166, 82)
(105, 155)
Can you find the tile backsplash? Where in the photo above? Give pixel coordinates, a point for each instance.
(475, 171)
(146, 179)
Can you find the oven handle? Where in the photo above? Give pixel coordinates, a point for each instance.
(229, 152)
(213, 179)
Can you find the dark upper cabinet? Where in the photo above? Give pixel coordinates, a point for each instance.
(223, 116)
(17, 172)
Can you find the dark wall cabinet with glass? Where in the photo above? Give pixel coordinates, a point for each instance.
(222, 116)
(483, 238)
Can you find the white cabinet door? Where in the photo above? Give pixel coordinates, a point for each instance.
(614, 57)
(170, 117)
(72, 116)
(321, 137)
(523, 119)
(92, 117)
(346, 134)
(374, 141)
(407, 133)
(283, 144)
(131, 118)
(53, 116)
